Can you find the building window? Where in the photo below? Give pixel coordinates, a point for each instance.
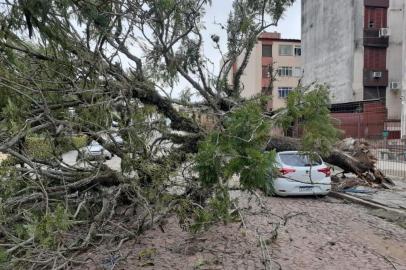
(375, 93)
(285, 50)
(266, 73)
(298, 72)
(285, 72)
(283, 92)
(266, 50)
(298, 50)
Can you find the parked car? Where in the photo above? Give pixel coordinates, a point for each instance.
(301, 174)
(95, 151)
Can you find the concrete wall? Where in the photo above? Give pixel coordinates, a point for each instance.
(403, 116)
(358, 62)
(393, 57)
(251, 79)
(328, 30)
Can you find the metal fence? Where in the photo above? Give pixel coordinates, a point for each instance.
(391, 155)
(360, 119)
(367, 120)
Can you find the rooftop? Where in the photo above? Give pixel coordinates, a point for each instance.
(275, 36)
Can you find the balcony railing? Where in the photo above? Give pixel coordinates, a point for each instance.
(372, 39)
(371, 77)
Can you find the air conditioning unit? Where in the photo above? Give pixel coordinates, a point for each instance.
(377, 74)
(394, 85)
(384, 32)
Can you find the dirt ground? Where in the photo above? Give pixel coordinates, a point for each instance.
(314, 233)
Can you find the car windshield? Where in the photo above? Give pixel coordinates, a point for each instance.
(300, 160)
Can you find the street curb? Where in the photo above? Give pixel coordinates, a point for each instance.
(369, 204)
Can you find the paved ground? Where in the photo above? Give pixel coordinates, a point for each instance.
(394, 197)
(314, 233)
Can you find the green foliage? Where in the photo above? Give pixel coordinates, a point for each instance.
(47, 229)
(5, 165)
(3, 256)
(216, 210)
(14, 113)
(10, 182)
(39, 147)
(21, 231)
(45, 148)
(238, 150)
(98, 115)
(209, 161)
(2, 212)
(309, 108)
(69, 143)
(166, 4)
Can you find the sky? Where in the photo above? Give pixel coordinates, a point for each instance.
(289, 26)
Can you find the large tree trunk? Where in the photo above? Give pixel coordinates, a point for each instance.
(353, 156)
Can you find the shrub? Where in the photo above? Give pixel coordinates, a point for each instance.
(47, 228)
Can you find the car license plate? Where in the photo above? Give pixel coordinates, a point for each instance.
(306, 188)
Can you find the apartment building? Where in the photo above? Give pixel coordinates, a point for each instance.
(357, 48)
(273, 60)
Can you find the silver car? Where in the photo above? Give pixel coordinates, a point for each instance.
(95, 151)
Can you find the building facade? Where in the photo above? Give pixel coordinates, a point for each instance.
(403, 97)
(274, 68)
(357, 48)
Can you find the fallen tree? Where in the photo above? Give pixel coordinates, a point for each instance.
(89, 64)
(351, 155)
(76, 67)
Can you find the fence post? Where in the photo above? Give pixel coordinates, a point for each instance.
(359, 125)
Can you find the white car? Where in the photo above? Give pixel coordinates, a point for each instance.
(95, 151)
(301, 175)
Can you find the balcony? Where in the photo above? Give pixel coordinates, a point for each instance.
(372, 39)
(376, 3)
(370, 79)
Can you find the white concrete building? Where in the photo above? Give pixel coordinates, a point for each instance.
(356, 47)
(403, 131)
